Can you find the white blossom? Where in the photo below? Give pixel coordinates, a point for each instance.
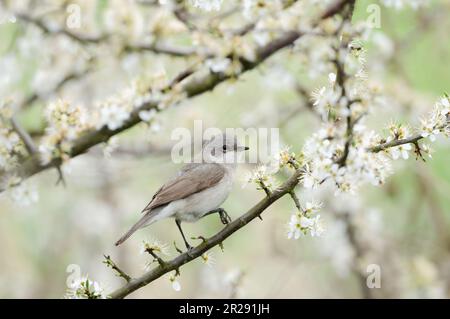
(208, 259)
(262, 176)
(326, 98)
(175, 283)
(312, 207)
(316, 229)
(110, 146)
(23, 194)
(310, 177)
(218, 65)
(294, 227)
(318, 96)
(438, 120)
(400, 4)
(306, 221)
(147, 115)
(156, 246)
(401, 151)
(113, 116)
(84, 288)
(207, 5)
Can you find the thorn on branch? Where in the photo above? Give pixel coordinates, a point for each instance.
(293, 162)
(265, 189)
(182, 14)
(203, 239)
(61, 178)
(177, 249)
(418, 151)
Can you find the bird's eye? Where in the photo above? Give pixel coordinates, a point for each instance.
(224, 147)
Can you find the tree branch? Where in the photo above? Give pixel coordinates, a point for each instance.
(41, 25)
(410, 140)
(110, 263)
(24, 136)
(360, 250)
(211, 242)
(192, 86)
(158, 48)
(71, 76)
(163, 48)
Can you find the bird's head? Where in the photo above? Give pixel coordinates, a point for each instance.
(223, 148)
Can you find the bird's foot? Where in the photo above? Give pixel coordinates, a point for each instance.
(188, 247)
(189, 250)
(224, 217)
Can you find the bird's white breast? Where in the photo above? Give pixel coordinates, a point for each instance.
(197, 205)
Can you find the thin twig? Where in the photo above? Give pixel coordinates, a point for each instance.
(160, 261)
(41, 25)
(110, 263)
(296, 201)
(24, 136)
(61, 178)
(398, 142)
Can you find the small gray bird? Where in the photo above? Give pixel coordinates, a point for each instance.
(197, 190)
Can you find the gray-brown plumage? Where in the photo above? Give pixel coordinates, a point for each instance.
(197, 189)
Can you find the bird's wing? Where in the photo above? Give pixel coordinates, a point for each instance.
(190, 180)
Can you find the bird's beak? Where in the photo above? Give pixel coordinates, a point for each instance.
(242, 148)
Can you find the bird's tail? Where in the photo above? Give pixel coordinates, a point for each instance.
(146, 220)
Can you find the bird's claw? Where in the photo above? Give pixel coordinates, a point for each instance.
(224, 217)
(189, 250)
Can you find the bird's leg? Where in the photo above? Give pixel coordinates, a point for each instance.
(178, 222)
(224, 217)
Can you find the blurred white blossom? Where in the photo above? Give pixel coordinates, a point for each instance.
(207, 5)
(208, 259)
(262, 176)
(218, 65)
(84, 288)
(400, 4)
(156, 246)
(113, 116)
(24, 194)
(174, 282)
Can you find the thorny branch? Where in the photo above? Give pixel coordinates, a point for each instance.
(110, 263)
(287, 187)
(211, 242)
(410, 140)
